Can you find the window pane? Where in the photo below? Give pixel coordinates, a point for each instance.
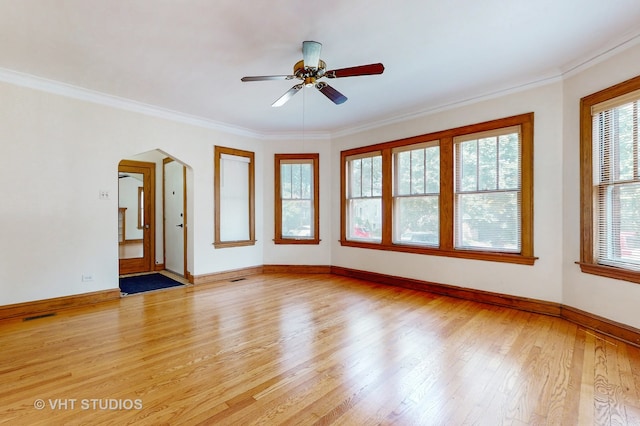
(468, 164)
(619, 227)
(417, 171)
(365, 219)
(488, 221)
(306, 181)
(366, 177)
(285, 180)
(417, 220)
(432, 161)
(295, 181)
(403, 162)
(297, 218)
(376, 176)
(624, 133)
(509, 151)
(356, 178)
(487, 167)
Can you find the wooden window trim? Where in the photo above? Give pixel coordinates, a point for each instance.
(218, 151)
(525, 257)
(588, 264)
(315, 161)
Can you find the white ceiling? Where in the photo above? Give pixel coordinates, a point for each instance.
(188, 55)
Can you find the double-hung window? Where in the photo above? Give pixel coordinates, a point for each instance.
(364, 197)
(417, 194)
(488, 191)
(296, 199)
(611, 182)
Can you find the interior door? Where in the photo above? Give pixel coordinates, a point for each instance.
(175, 224)
(136, 216)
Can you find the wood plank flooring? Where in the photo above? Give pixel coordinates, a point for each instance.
(311, 349)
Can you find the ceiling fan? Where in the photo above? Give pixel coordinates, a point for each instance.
(310, 69)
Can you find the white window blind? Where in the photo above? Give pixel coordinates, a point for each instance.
(234, 198)
(488, 191)
(616, 182)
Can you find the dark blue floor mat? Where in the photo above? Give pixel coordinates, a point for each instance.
(142, 283)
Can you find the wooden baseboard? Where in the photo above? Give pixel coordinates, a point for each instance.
(50, 306)
(296, 269)
(515, 302)
(158, 267)
(602, 325)
(584, 319)
(227, 275)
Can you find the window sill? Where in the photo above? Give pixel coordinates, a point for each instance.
(227, 244)
(308, 241)
(610, 272)
(432, 251)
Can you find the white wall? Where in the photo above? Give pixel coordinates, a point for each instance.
(541, 281)
(298, 254)
(614, 299)
(54, 227)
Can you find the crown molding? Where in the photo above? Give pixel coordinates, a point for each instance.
(75, 92)
(421, 113)
(613, 48)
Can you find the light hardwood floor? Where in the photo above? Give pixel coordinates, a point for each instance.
(311, 349)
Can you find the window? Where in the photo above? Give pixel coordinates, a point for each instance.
(297, 217)
(234, 197)
(464, 192)
(487, 191)
(610, 166)
(417, 194)
(364, 196)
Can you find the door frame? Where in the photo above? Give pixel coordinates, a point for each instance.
(146, 263)
(165, 161)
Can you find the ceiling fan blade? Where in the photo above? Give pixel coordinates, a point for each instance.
(311, 53)
(268, 77)
(331, 93)
(288, 95)
(355, 71)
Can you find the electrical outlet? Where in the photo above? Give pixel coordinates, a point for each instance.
(87, 278)
(103, 194)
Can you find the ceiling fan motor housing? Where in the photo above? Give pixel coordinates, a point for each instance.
(309, 75)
